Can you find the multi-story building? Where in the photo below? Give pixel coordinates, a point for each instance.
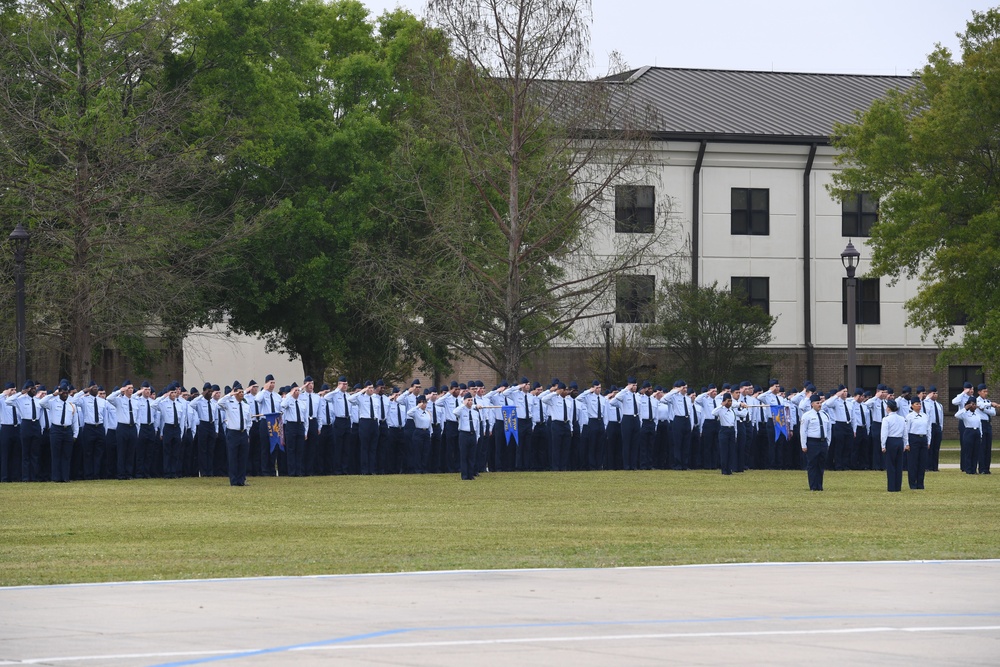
(742, 161)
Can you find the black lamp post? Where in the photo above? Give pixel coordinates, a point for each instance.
(850, 258)
(607, 353)
(20, 238)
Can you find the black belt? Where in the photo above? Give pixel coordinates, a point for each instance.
(89, 424)
(60, 426)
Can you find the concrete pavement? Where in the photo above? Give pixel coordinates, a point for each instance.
(880, 613)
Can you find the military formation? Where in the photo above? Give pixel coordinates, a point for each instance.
(371, 428)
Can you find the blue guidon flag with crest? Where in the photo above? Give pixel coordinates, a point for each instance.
(781, 420)
(275, 430)
(510, 423)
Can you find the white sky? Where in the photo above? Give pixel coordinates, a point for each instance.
(842, 36)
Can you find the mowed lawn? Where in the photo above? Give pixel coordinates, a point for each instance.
(196, 528)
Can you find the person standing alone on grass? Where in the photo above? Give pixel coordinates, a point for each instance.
(894, 441)
(815, 432)
(918, 428)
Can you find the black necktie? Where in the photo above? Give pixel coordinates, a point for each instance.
(847, 417)
(527, 408)
(131, 417)
(327, 412)
(298, 413)
(208, 402)
(635, 406)
(599, 415)
(684, 398)
(565, 414)
(649, 404)
(62, 419)
(272, 404)
(149, 412)
(346, 409)
(239, 406)
(381, 402)
(371, 404)
(822, 431)
(309, 397)
(471, 430)
(177, 422)
(34, 414)
(434, 412)
(861, 409)
(97, 415)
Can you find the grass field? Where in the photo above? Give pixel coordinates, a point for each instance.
(196, 528)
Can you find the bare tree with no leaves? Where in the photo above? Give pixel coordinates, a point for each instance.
(511, 242)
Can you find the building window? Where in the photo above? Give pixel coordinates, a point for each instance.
(867, 308)
(859, 212)
(957, 377)
(634, 299)
(868, 378)
(750, 211)
(634, 209)
(754, 291)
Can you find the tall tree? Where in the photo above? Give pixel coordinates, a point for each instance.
(714, 334)
(307, 87)
(931, 156)
(506, 243)
(95, 164)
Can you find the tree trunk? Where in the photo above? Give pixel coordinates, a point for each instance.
(80, 332)
(314, 365)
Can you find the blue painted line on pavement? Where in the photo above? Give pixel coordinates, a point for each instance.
(467, 628)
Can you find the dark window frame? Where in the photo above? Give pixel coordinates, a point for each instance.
(858, 222)
(750, 288)
(633, 215)
(864, 374)
(868, 306)
(635, 299)
(749, 218)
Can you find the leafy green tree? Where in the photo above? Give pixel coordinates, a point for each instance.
(93, 162)
(307, 88)
(714, 334)
(930, 155)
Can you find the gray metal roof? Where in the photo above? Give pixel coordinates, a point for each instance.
(721, 104)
